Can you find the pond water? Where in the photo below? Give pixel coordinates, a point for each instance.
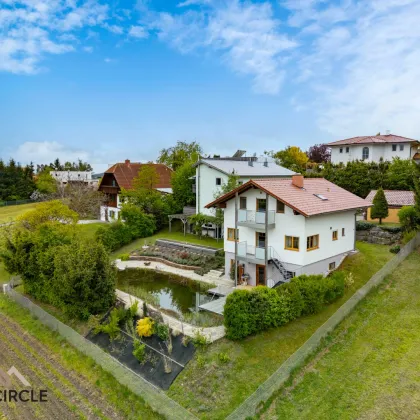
(172, 293)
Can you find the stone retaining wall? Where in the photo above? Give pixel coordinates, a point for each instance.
(164, 261)
(376, 235)
(198, 249)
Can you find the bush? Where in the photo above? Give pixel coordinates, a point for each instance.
(145, 327)
(124, 257)
(223, 357)
(114, 235)
(140, 223)
(112, 326)
(249, 312)
(199, 340)
(139, 351)
(395, 249)
(408, 236)
(363, 225)
(392, 229)
(161, 330)
(408, 218)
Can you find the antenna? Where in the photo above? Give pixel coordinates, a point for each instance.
(388, 132)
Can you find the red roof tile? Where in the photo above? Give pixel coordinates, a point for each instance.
(385, 138)
(124, 174)
(395, 197)
(303, 199)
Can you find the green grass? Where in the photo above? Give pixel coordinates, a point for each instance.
(370, 366)
(88, 231)
(129, 404)
(212, 389)
(9, 213)
(165, 234)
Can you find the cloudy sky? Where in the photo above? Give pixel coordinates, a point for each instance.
(105, 81)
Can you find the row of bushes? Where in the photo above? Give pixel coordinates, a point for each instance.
(137, 224)
(248, 312)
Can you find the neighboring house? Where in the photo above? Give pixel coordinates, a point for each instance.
(71, 177)
(287, 227)
(213, 173)
(396, 199)
(374, 148)
(120, 176)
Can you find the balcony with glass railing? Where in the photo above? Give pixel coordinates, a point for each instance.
(256, 219)
(251, 253)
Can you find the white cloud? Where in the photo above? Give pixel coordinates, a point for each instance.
(138, 32)
(246, 34)
(88, 49)
(363, 67)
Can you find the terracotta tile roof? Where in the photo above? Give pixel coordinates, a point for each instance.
(125, 172)
(395, 197)
(303, 200)
(385, 138)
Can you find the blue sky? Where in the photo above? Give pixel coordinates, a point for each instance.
(105, 81)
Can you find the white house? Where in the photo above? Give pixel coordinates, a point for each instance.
(120, 176)
(374, 148)
(69, 177)
(278, 228)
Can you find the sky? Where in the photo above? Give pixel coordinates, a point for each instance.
(106, 81)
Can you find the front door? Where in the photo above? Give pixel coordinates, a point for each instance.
(260, 275)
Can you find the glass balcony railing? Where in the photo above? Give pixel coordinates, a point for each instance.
(250, 251)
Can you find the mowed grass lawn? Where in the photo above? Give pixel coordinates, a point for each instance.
(212, 389)
(370, 368)
(9, 213)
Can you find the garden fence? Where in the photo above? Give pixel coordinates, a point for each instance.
(297, 359)
(15, 202)
(153, 396)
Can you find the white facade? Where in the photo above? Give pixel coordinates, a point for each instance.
(109, 214)
(375, 151)
(65, 177)
(328, 255)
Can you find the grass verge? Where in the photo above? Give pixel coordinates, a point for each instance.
(212, 387)
(9, 213)
(369, 367)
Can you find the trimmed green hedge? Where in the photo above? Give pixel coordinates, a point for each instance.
(363, 225)
(248, 312)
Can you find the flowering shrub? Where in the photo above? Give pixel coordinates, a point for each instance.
(145, 327)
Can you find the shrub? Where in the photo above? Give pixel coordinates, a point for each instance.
(408, 218)
(349, 280)
(395, 249)
(124, 257)
(200, 340)
(363, 225)
(132, 310)
(114, 235)
(161, 330)
(392, 229)
(220, 253)
(145, 327)
(408, 236)
(248, 312)
(140, 223)
(223, 357)
(112, 326)
(139, 351)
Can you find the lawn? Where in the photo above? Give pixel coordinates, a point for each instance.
(370, 366)
(9, 213)
(212, 389)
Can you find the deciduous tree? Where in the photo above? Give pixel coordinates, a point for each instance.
(319, 153)
(178, 155)
(292, 158)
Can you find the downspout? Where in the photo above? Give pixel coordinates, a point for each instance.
(197, 188)
(266, 239)
(355, 221)
(236, 239)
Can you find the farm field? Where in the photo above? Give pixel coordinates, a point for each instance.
(211, 389)
(370, 367)
(9, 213)
(77, 387)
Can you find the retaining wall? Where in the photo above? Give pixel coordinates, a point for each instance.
(198, 249)
(376, 235)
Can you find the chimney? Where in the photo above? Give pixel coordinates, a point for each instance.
(266, 163)
(127, 162)
(297, 181)
(250, 162)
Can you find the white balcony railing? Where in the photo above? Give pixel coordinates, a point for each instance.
(256, 217)
(250, 251)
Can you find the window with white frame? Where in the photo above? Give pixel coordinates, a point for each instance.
(365, 153)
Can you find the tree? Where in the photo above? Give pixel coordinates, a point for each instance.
(83, 199)
(178, 155)
(16, 182)
(400, 175)
(292, 158)
(182, 185)
(140, 223)
(231, 184)
(45, 183)
(379, 209)
(68, 166)
(408, 218)
(51, 211)
(147, 178)
(319, 153)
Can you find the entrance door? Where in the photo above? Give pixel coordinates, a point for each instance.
(260, 275)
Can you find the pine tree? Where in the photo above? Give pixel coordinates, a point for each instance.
(380, 206)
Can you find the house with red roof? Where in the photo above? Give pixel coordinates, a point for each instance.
(396, 199)
(374, 148)
(120, 176)
(275, 229)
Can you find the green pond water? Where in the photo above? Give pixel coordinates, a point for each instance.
(170, 293)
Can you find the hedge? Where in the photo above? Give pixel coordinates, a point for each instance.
(248, 312)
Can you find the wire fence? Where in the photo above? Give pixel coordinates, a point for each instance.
(15, 202)
(153, 396)
(277, 379)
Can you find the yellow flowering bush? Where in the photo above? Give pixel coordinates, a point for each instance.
(145, 327)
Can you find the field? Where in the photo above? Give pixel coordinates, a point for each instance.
(9, 213)
(212, 389)
(77, 387)
(370, 367)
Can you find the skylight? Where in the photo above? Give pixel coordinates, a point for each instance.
(321, 197)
